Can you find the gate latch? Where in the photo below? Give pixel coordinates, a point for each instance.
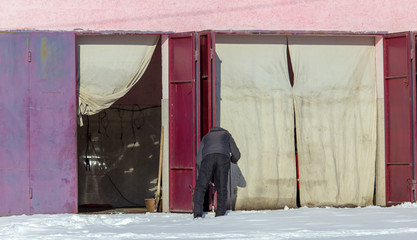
(29, 56)
(412, 184)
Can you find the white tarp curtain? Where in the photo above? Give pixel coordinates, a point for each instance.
(335, 105)
(257, 109)
(335, 102)
(109, 66)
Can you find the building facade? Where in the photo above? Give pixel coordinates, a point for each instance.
(303, 85)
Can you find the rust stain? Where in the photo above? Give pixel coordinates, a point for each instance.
(44, 49)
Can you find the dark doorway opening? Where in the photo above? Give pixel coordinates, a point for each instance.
(118, 148)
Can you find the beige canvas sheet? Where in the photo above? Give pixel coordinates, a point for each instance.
(109, 66)
(257, 108)
(335, 111)
(335, 102)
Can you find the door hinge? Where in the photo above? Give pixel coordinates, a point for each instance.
(195, 55)
(29, 56)
(211, 53)
(412, 54)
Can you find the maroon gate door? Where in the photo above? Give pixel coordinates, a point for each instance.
(192, 111)
(182, 121)
(207, 87)
(399, 117)
(205, 96)
(37, 123)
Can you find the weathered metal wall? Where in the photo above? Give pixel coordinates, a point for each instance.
(37, 123)
(14, 124)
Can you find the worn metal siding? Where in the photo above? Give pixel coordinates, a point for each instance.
(53, 170)
(38, 123)
(14, 124)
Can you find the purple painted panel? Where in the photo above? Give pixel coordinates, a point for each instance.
(14, 198)
(53, 153)
(14, 124)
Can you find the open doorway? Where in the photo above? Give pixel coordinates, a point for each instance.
(118, 147)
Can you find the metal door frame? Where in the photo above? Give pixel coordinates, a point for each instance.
(410, 77)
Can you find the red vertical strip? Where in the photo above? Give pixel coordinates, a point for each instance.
(205, 83)
(206, 101)
(213, 72)
(182, 121)
(399, 99)
(413, 79)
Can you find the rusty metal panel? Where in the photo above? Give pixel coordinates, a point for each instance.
(53, 170)
(399, 101)
(14, 124)
(182, 121)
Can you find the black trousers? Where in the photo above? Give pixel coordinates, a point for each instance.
(219, 165)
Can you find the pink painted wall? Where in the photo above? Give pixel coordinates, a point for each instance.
(187, 15)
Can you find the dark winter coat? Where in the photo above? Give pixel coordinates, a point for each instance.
(218, 140)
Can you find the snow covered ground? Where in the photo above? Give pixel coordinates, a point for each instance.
(399, 222)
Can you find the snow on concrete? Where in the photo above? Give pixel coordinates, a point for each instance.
(398, 222)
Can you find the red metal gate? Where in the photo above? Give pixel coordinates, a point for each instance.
(182, 121)
(399, 117)
(207, 84)
(37, 123)
(192, 111)
(206, 97)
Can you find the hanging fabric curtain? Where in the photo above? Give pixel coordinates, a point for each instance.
(109, 66)
(257, 108)
(335, 103)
